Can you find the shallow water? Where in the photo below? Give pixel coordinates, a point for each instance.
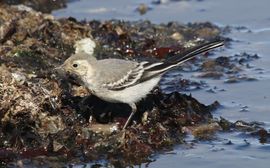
(249, 101)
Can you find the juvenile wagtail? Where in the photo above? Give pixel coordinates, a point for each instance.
(124, 81)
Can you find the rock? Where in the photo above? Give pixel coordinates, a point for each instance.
(19, 78)
(143, 8)
(177, 36)
(206, 132)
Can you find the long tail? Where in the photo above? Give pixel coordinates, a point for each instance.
(155, 69)
(183, 57)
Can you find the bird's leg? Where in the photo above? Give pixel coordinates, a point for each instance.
(134, 109)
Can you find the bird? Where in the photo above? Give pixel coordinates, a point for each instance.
(125, 81)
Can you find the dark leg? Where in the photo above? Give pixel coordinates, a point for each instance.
(134, 109)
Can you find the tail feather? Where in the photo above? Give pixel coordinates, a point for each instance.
(195, 51)
(183, 57)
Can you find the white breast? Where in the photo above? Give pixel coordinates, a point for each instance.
(128, 95)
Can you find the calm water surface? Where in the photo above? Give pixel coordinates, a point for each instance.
(254, 96)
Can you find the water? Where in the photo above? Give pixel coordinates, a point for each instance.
(253, 96)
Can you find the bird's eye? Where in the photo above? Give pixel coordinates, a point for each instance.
(75, 65)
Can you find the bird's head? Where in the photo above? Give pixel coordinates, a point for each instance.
(79, 65)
